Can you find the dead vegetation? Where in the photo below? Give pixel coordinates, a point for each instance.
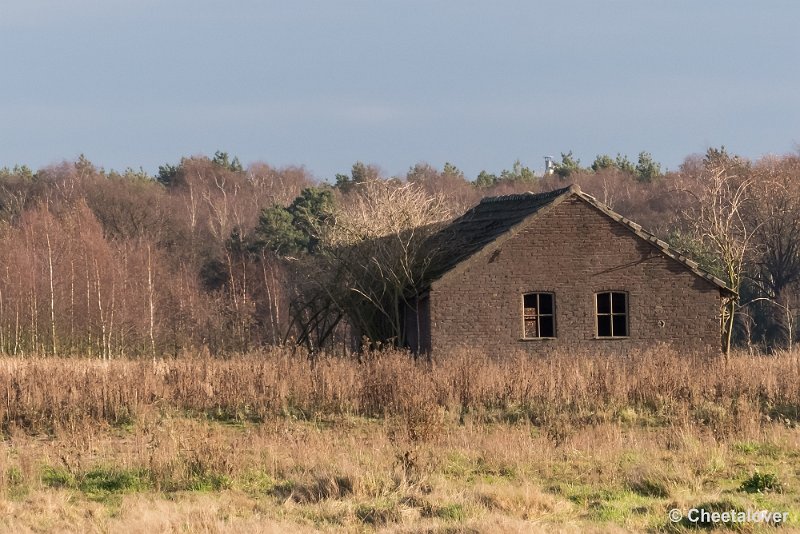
(275, 442)
(657, 387)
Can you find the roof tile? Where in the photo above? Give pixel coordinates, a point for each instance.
(495, 216)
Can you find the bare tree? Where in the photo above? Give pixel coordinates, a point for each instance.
(722, 191)
(376, 244)
(775, 213)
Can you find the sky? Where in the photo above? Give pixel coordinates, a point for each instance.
(140, 83)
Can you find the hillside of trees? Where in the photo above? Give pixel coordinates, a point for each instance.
(210, 255)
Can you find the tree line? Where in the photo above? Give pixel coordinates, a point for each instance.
(210, 254)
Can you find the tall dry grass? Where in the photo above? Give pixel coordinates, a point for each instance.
(391, 443)
(560, 392)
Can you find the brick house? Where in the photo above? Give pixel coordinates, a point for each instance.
(535, 272)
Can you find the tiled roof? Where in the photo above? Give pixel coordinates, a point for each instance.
(481, 225)
(495, 216)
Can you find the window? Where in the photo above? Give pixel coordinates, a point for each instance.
(538, 316)
(612, 314)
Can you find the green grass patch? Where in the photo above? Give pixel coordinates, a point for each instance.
(17, 489)
(460, 466)
(606, 504)
(209, 482)
(754, 448)
(448, 512)
(98, 483)
(618, 506)
(257, 483)
(101, 481)
(57, 477)
(762, 483)
(108, 484)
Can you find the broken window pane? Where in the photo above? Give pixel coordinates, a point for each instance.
(530, 302)
(538, 315)
(530, 328)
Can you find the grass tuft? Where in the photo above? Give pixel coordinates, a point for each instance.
(761, 483)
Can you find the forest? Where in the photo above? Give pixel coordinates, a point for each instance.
(292, 404)
(214, 256)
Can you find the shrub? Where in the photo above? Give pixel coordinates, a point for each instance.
(761, 483)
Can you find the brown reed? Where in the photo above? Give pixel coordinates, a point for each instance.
(658, 386)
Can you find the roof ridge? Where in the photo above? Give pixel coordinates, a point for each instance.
(494, 217)
(529, 195)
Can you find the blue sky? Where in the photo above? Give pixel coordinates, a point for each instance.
(327, 83)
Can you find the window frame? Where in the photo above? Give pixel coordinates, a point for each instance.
(611, 314)
(538, 315)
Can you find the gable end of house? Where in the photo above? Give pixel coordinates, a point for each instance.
(486, 227)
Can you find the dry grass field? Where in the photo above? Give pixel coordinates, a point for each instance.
(272, 442)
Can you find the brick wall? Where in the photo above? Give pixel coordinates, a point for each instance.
(573, 251)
